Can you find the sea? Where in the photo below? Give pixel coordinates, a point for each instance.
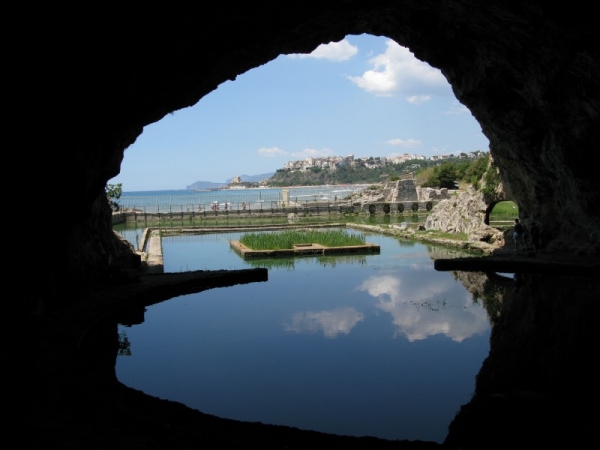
(233, 199)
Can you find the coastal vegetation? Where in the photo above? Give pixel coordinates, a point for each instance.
(449, 173)
(427, 173)
(113, 193)
(287, 239)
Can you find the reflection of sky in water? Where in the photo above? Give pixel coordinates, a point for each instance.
(331, 323)
(426, 306)
(379, 345)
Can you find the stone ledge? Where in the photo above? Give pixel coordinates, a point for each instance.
(303, 250)
(546, 263)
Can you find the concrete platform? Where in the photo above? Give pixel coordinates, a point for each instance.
(304, 250)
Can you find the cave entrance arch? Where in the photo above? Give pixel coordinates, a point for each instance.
(236, 105)
(491, 206)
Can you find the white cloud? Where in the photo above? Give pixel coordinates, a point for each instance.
(409, 143)
(334, 51)
(418, 99)
(415, 309)
(271, 152)
(398, 71)
(312, 153)
(331, 323)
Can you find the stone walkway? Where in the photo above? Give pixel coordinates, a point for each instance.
(492, 257)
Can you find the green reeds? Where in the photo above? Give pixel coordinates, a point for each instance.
(287, 239)
(286, 263)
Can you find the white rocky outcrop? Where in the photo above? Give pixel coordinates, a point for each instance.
(372, 194)
(426, 193)
(464, 213)
(398, 192)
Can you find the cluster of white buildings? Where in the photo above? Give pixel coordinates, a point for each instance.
(370, 162)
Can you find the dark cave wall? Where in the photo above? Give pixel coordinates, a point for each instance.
(531, 80)
(535, 386)
(528, 73)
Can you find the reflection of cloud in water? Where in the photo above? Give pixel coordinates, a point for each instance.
(332, 323)
(421, 265)
(425, 307)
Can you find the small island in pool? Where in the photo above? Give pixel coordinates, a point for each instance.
(301, 242)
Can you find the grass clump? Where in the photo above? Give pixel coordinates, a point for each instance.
(287, 239)
(503, 214)
(443, 235)
(506, 208)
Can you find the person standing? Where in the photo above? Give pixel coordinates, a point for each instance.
(518, 232)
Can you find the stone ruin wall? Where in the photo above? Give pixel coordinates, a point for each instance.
(399, 196)
(426, 194)
(408, 191)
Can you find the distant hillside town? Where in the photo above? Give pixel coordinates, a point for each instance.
(368, 169)
(337, 170)
(370, 162)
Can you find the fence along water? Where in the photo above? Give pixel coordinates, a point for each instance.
(235, 199)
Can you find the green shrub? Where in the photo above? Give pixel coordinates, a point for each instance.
(113, 194)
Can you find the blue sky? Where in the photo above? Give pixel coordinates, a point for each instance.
(364, 95)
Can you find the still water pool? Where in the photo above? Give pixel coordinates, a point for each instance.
(379, 345)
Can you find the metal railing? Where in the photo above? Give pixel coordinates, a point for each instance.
(231, 207)
(232, 200)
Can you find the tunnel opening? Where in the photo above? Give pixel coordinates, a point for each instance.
(364, 97)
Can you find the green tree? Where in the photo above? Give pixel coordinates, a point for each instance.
(461, 169)
(113, 193)
(443, 176)
(447, 175)
(476, 170)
